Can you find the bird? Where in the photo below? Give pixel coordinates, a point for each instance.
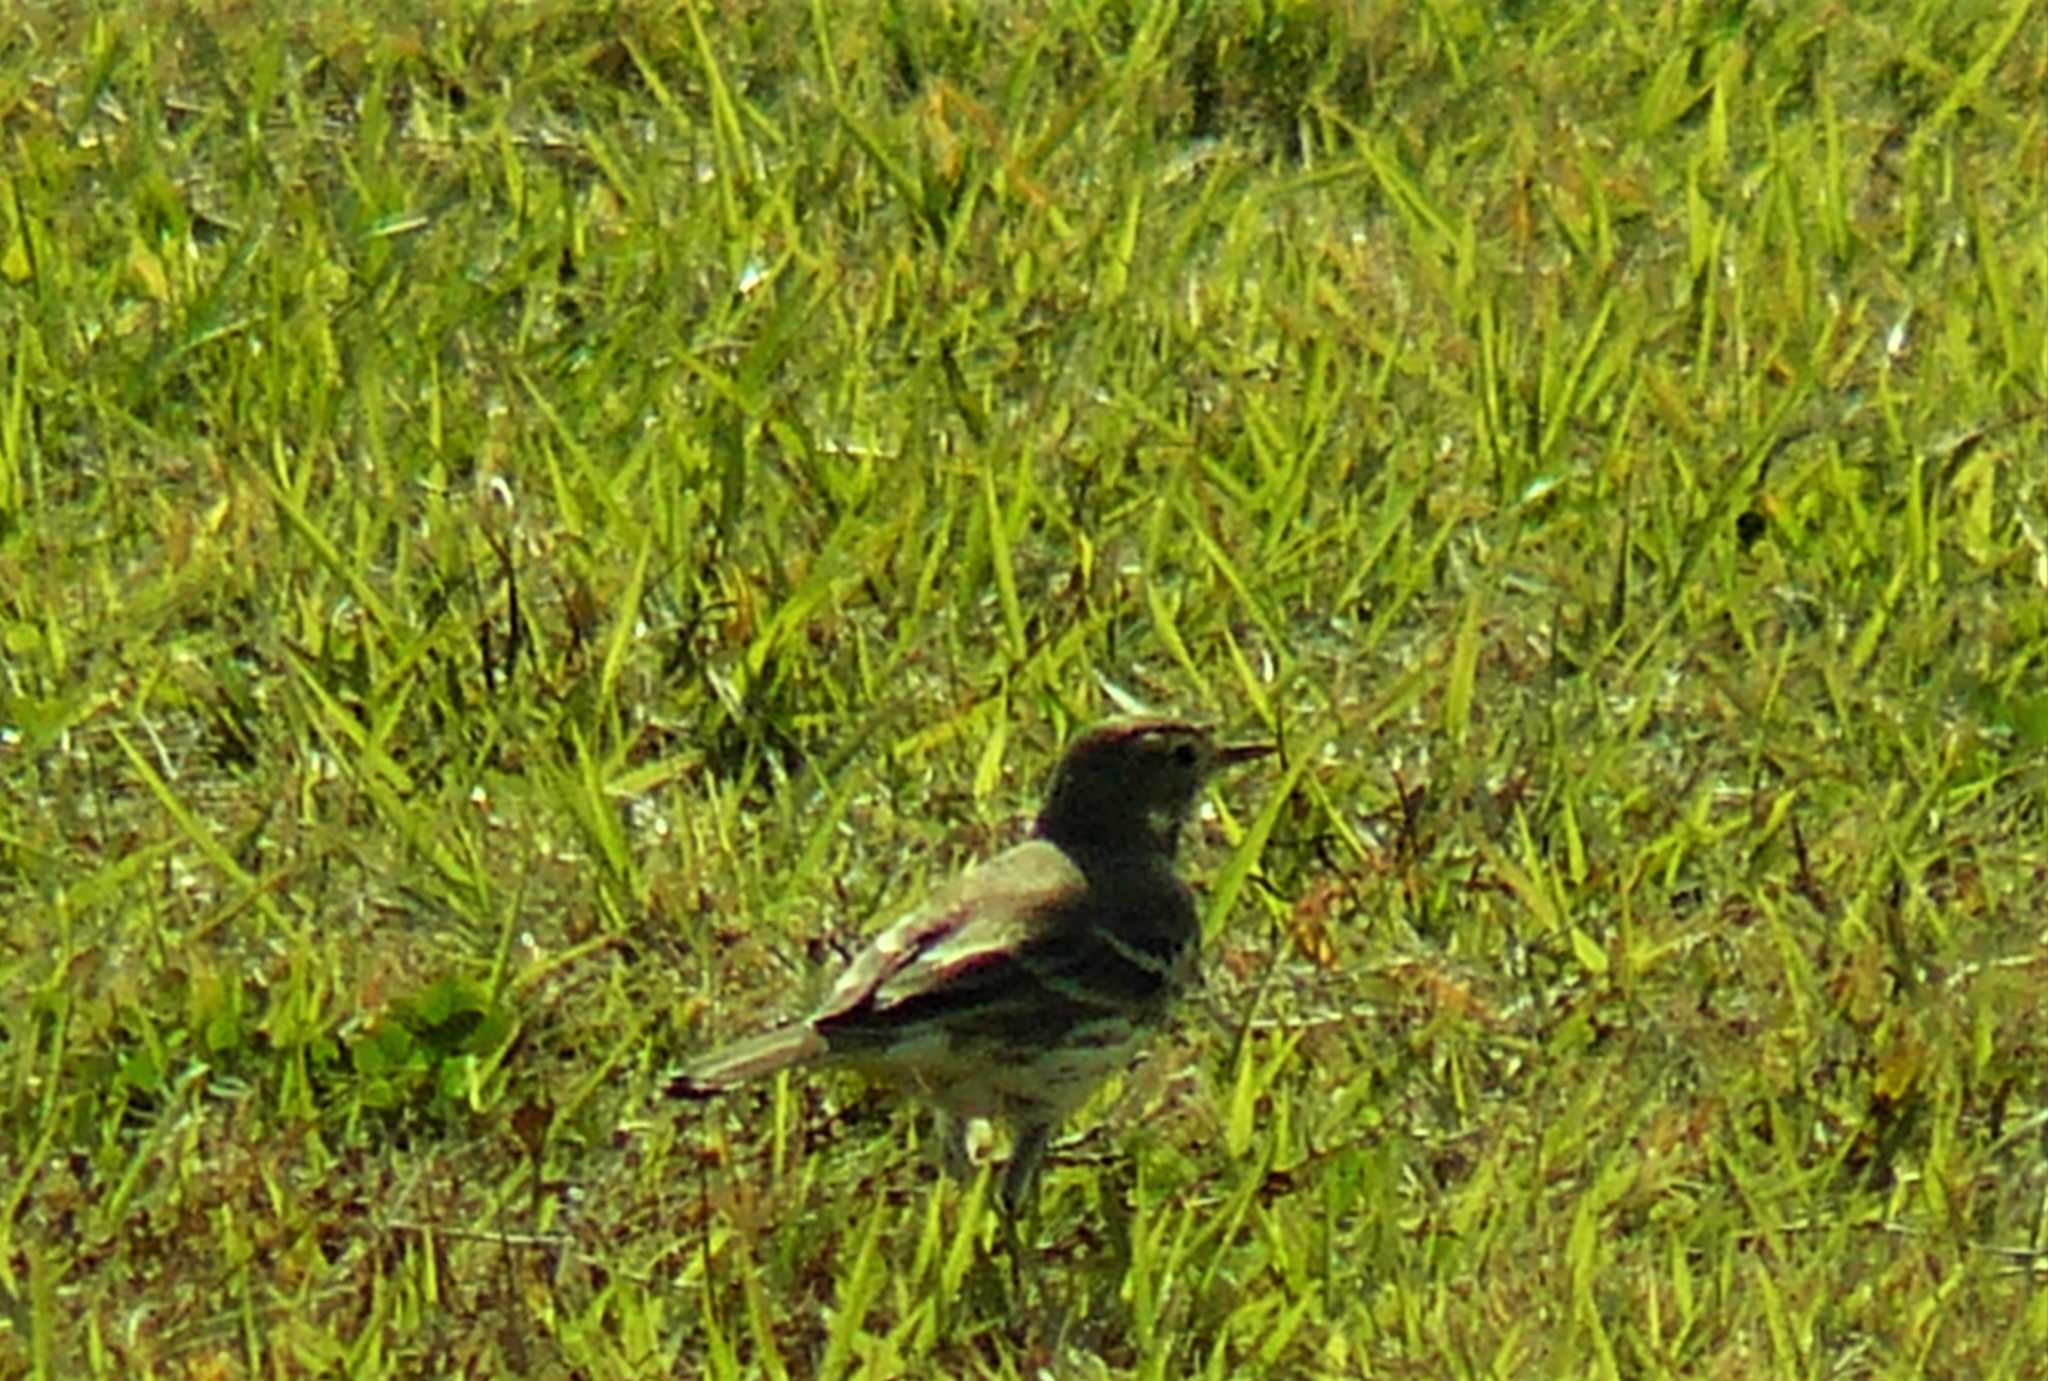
(1017, 987)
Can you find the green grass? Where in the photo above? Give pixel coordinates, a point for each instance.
(525, 533)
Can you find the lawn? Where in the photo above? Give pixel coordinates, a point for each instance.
(528, 530)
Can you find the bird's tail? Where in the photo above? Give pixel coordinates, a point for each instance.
(794, 1044)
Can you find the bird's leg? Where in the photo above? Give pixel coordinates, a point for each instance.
(1020, 1190)
(1020, 1180)
(951, 1132)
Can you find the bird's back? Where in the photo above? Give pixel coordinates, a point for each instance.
(1072, 960)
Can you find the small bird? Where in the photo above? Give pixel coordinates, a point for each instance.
(1017, 987)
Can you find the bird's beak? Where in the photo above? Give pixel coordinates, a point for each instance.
(1232, 753)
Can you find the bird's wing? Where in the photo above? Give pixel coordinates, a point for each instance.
(987, 932)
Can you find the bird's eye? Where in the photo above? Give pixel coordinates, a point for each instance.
(1186, 755)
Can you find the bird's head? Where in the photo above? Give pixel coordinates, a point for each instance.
(1130, 784)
